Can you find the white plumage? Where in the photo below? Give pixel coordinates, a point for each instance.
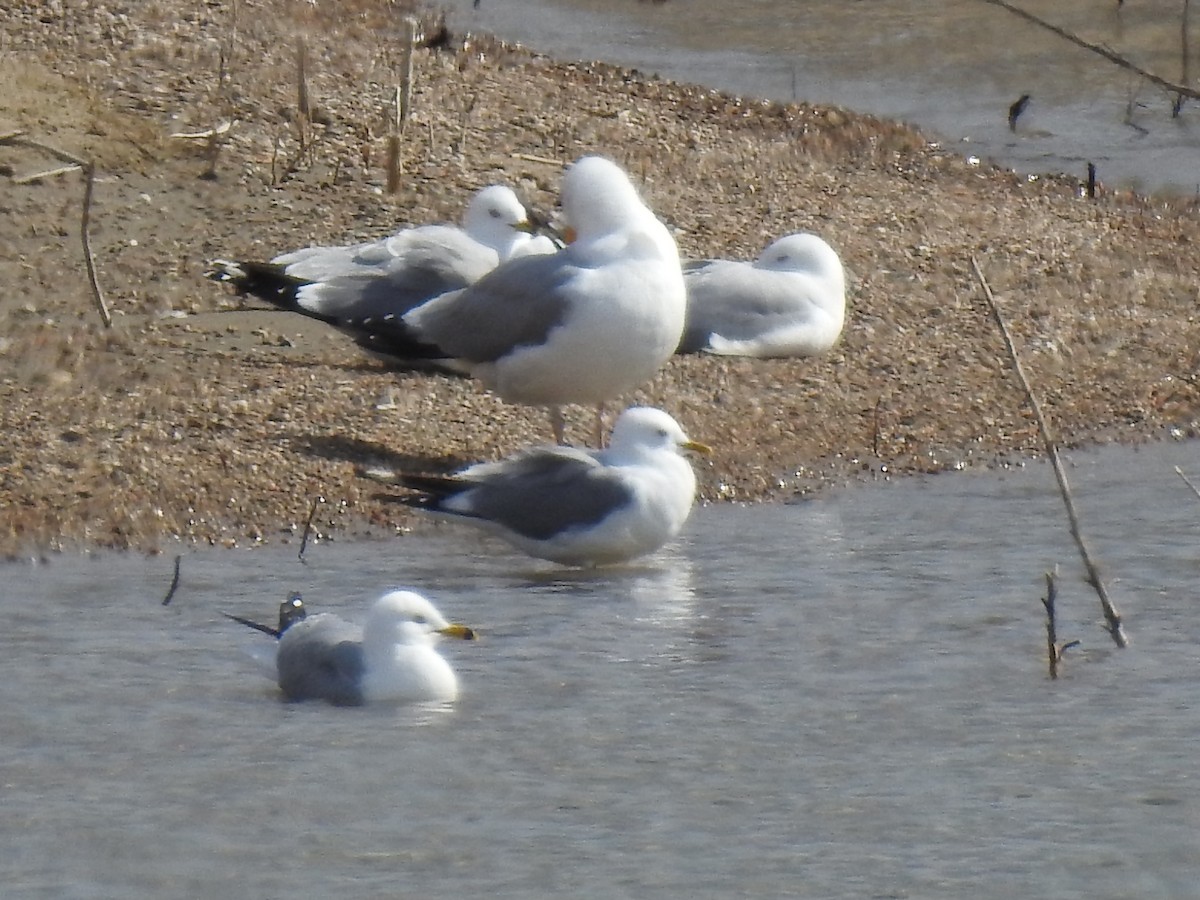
(392, 657)
(791, 301)
(578, 507)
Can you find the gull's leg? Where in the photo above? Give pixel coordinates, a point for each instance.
(599, 432)
(558, 425)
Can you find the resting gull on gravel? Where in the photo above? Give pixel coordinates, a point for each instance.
(388, 277)
(791, 301)
(577, 507)
(583, 325)
(390, 658)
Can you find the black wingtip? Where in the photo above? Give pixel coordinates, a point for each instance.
(266, 281)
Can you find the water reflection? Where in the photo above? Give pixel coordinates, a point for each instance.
(783, 693)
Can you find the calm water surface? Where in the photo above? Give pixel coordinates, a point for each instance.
(952, 67)
(840, 698)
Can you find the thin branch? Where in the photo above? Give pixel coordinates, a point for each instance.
(1051, 625)
(1108, 54)
(1179, 472)
(1184, 60)
(174, 582)
(312, 512)
(303, 105)
(529, 157)
(403, 106)
(49, 173)
(17, 138)
(89, 171)
(1111, 616)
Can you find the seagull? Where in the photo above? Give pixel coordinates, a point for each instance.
(791, 301)
(583, 325)
(340, 285)
(573, 506)
(390, 658)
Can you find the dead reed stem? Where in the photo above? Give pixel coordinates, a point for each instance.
(302, 102)
(174, 582)
(49, 173)
(1051, 626)
(1184, 59)
(17, 138)
(312, 512)
(1111, 616)
(1054, 650)
(403, 106)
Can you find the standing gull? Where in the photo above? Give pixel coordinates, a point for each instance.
(388, 277)
(390, 658)
(583, 325)
(791, 301)
(578, 507)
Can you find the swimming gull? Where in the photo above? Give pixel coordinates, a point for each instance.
(791, 301)
(390, 658)
(388, 277)
(573, 506)
(583, 325)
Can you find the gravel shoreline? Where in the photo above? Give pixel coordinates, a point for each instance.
(197, 420)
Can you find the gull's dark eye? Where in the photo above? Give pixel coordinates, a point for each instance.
(495, 213)
(419, 619)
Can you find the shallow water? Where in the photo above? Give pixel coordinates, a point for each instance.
(952, 67)
(845, 697)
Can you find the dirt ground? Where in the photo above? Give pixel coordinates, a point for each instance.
(198, 419)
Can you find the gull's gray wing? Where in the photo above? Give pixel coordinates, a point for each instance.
(738, 302)
(515, 305)
(322, 658)
(424, 270)
(537, 495)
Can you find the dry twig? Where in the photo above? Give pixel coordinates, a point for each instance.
(1054, 650)
(529, 157)
(1195, 490)
(17, 138)
(312, 512)
(1111, 616)
(49, 173)
(174, 582)
(1051, 625)
(403, 107)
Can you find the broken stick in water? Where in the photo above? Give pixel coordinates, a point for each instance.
(1054, 650)
(312, 512)
(174, 582)
(1111, 616)
(1179, 472)
(1051, 626)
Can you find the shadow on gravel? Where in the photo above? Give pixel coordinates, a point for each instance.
(372, 455)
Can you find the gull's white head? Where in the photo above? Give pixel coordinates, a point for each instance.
(647, 428)
(405, 617)
(598, 198)
(802, 252)
(497, 219)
